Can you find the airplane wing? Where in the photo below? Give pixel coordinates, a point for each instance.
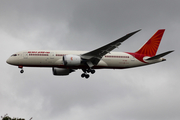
(93, 57)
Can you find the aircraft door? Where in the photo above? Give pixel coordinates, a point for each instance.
(133, 58)
(50, 58)
(25, 55)
(51, 55)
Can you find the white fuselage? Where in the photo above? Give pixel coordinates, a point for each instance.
(50, 58)
(65, 62)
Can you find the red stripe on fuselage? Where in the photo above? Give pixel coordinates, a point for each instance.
(137, 56)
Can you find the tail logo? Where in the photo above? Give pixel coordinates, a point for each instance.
(151, 46)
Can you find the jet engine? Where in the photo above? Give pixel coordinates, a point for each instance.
(61, 71)
(71, 60)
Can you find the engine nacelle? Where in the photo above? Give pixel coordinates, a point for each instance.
(71, 60)
(61, 71)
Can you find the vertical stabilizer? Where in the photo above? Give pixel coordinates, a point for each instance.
(151, 46)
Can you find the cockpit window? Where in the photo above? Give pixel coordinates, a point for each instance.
(14, 55)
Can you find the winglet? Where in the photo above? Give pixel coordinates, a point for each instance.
(132, 33)
(127, 36)
(137, 31)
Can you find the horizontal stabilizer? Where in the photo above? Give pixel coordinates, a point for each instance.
(160, 55)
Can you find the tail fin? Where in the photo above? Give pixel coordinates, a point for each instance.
(151, 46)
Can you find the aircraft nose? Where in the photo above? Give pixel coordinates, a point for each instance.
(9, 61)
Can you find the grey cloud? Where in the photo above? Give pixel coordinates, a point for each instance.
(149, 92)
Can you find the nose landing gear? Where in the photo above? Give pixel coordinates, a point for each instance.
(21, 67)
(22, 71)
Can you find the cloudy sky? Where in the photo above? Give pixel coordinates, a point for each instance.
(144, 93)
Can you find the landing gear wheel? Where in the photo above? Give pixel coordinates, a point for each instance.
(93, 71)
(86, 76)
(83, 75)
(88, 71)
(21, 71)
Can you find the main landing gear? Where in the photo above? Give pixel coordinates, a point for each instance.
(21, 67)
(86, 71)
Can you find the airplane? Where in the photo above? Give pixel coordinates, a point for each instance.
(65, 62)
